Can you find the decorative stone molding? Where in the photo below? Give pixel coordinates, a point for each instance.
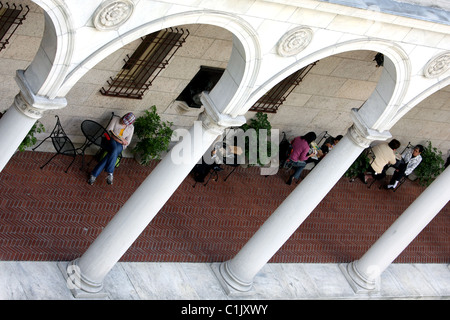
(359, 282)
(21, 104)
(294, 41)
(214, 121)
(361, 134)
(112, 14)
(78, 284)
(33, 105)
(181, 108)
(230, 283)
(437, 66)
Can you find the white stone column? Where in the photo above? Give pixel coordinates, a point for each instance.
(364, 273)
(87, 273)
(21, 116)
(238, 273)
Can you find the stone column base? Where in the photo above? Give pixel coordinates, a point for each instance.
(79, 286)
(230, 284)
(357, 281)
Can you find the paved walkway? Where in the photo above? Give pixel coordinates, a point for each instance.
(48, 216)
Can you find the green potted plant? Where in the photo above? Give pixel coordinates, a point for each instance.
(30, 140)
(153, 136)
(431, 166)
(259, 122)
(360, 165)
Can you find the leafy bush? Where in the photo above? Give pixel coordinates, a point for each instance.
(259, 122)
(360, 165)
(153, 136)
(431, 166)
(30, 140)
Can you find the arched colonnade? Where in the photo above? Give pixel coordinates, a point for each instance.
(76, 41)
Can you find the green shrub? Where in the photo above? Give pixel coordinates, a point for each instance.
(431, 166)
(153, 136)
(259, 122)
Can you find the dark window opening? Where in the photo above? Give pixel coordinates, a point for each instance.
(205, 80)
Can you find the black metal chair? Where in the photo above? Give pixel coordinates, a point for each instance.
(322, 137)
(361, 164)
(402, 180)
(101, 153)
(200, 171)
(409, 146)
(231, 157)
(285, 150)
(376, 177)
(61, 142)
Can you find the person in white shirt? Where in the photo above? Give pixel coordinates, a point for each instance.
(409, 161)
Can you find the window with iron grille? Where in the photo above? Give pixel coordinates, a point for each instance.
(274, 98)
(11, 17)
(145, 64)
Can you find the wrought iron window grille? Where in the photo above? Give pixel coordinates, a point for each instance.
(11, 17)
(146, 63)
(275, 97)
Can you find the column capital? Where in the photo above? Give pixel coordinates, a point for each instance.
(361, 134)
(33, 105)
(213, 120)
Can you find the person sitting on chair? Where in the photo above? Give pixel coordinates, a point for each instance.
(120, 132)
(299, 155)
(383, 154)
(403, 167)
(330, 143)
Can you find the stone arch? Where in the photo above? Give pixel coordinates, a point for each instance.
(418, 99)
(48, 69)
(387, 98)
(233, 87)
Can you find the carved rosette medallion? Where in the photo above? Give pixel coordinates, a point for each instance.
(294, 41)
(112, 14)
(437, 66)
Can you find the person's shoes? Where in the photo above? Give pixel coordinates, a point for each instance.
(109, 178)
(363, 178)
(392, 186)
(91, 180)
(289, 182)
(366, 178)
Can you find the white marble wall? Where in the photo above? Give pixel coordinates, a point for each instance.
(197, 281)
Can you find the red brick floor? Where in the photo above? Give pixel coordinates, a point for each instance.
(49, 215)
